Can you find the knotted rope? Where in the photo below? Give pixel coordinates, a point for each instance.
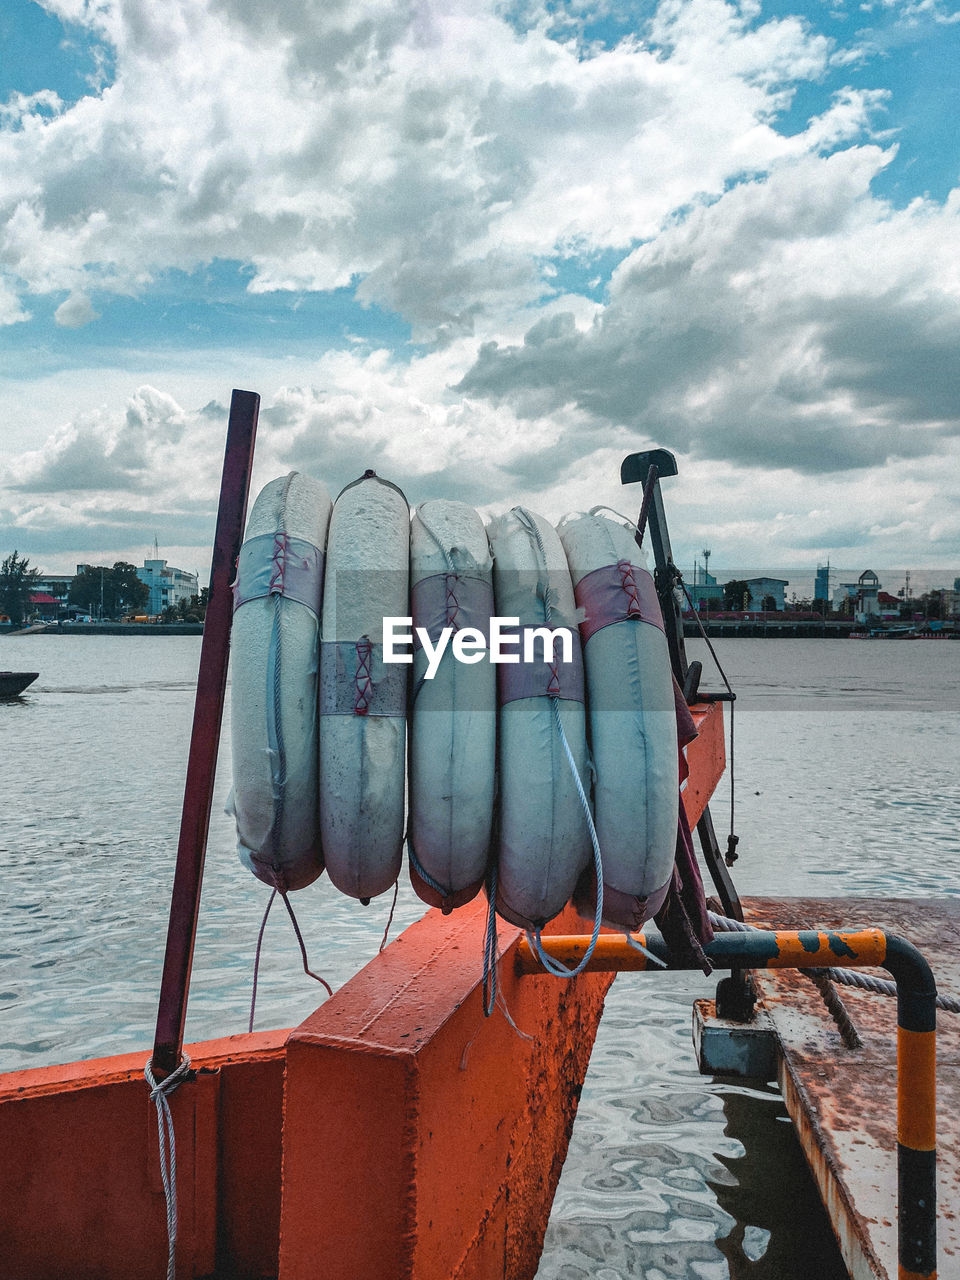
(159, 1093)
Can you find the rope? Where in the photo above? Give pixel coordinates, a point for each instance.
(602, 506)
(732, 839)
(638, 946)
(549, 963)
(848, 977)
(835, 1007)
(277, 677)
(423, 873)
(168, 1149)
(492, 991)
(490, 945)
(279, 888)
(393, 907)
(447, 556)
(303, 949)
(256, 959)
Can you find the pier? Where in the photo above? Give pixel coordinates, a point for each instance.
(843, 1101)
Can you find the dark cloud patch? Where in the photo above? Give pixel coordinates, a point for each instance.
(769, 330)
(82, 462)
(45, 536)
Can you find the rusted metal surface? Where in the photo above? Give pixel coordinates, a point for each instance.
(844, 1102)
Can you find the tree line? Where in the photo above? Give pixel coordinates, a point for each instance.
(99, 591)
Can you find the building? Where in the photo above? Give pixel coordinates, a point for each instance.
(56, 585)
(889, 606)
(821, 587)
(844, 597)
(761, 588)
(168, 586)
(44, 606)
(706, 593)
(868, 596)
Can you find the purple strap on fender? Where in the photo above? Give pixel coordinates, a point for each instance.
(615, 593)
(450, 600)
(539, 679)
(274, 564)
(355, 681)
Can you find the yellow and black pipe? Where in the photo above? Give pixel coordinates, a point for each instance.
(916, 1039)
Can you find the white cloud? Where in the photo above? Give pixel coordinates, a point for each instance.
(434, 149)
(75, 311)
(792, 337)
(796, 322)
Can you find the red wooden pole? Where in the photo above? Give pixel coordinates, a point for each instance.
(205, 737)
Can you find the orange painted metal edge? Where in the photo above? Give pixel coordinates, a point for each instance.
(706, 759)
(446, 1130)
(33, 1082)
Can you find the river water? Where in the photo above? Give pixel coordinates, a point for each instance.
(847, 783)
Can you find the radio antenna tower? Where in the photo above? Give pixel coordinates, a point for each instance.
(706, 564)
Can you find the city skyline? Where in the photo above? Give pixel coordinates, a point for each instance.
(488, 250)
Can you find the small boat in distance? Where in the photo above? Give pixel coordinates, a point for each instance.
(14, 682)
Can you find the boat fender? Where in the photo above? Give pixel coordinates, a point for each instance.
(453, 715)
(274, 647)
(362, 698)
(543, 843)
(632, 719)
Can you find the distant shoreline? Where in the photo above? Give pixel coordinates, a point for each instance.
(111, 629)
(739, 629)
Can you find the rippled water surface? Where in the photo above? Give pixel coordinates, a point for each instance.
(847, 758)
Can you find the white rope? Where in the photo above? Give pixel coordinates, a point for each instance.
(552, 965)
(638, 946)
(168, 1149)
(556, 967)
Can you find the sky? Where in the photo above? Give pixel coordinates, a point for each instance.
(487, 249)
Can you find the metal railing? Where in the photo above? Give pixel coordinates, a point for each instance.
(916, 1039)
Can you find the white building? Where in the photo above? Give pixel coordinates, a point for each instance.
(168, 586)
(868, 596)
(760, 588)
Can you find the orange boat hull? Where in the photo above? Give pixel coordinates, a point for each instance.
(395, 1133)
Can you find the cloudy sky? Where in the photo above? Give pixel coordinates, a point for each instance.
(486, 248)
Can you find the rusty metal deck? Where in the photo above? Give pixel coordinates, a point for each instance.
(843, 1101)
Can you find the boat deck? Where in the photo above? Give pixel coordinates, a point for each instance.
(843, 1101)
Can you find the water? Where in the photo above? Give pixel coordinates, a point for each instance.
(846, 783)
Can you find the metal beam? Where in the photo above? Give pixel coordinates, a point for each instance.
(205, 736)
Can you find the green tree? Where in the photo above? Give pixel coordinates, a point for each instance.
(131, 593)
(736, 594)
(17, 582)
(111, 590)
(769, 604)
(932, 604)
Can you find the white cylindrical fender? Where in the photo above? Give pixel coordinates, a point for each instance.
(362, 699)
(632, 718)
(274, 648)
(543, 841)
(453, 714)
